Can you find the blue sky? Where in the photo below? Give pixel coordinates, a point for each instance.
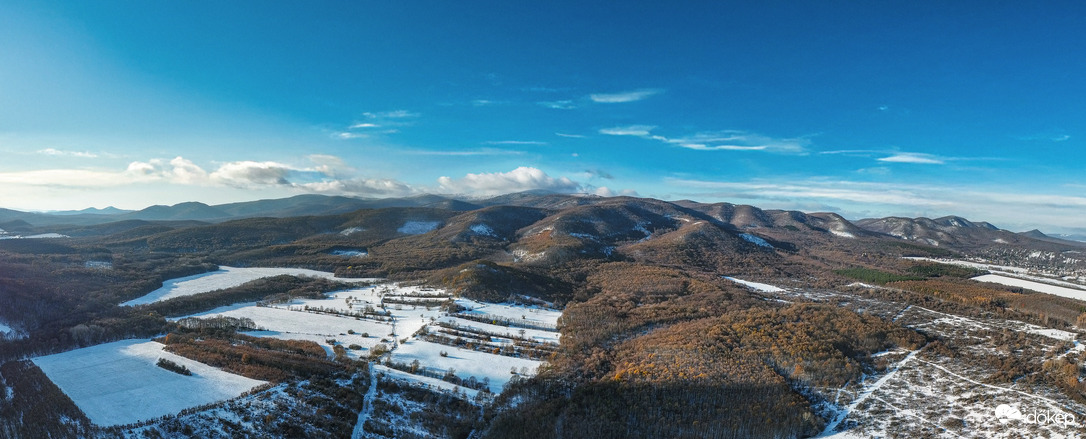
(895, 108)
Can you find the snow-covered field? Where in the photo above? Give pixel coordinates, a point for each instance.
(337, 319)
(225, 277)
(467, 363)
(1071, 293)
(432, 383)
(119, 383)
(528, 314)
(506, 331)
(970, 264)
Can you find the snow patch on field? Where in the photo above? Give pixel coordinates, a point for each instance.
(1071, 293)
(1057, 334)
(842, 234)
(521, 255)
(483, 229)
(9, 333)
(350, 253)
(351, 230)
(225, 277)
(5, 235)
(764, 288)
(119, 383)
(418, 227)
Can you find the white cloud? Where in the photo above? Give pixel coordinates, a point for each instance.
(249, 174)
(518, 180)
(572, 136)
(622, 97)
(330, 165)
(361, 125)
(911, 157)
(363, 187)
(184, 171)
(604, 191)
(57, 152)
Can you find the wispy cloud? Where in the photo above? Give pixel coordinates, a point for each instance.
(349, 135)
(514, 142)
(629, 130)
(377, 123)
(623, 97)
(472, 152)
(731, 140)
(559, 105)
(57, 152)
(572, 136)
(1050, 136)
(394, 114)
(912, 157)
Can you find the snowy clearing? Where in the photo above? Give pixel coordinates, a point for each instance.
(765, 288)
(118, 383)
(418, 227)
(1071, 293)
(225, 277)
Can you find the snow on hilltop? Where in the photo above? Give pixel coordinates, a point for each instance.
(225, 277)
(119, 383)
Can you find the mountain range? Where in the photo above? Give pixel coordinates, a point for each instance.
(949, 231)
